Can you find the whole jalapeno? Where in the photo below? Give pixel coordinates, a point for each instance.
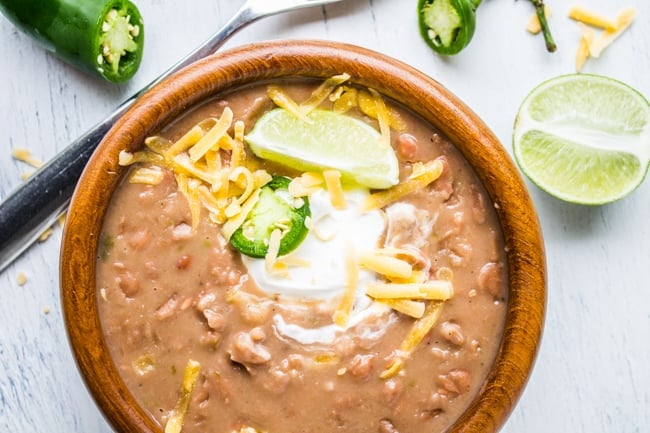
(103, 37)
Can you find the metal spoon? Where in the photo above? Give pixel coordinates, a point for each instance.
(36, 204)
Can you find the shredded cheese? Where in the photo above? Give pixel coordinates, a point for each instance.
(378, 200)
(211, 139)
(409, 307)
(273, 250)
(624, 20)
(147, 176)
(230, 226)
(342, 313)
(386, 265)
(283, 100)
(592, 18)
(21, 278)
(46, 234)
(322, 92)
(24, 155)
(344, 98)
(582, 53)
(188, 140)
(334, 187)
(418, 331)
(433, 289)
(177, 416)
(368, 105)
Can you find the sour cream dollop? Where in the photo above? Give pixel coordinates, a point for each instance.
(324, 248)
(323, 279)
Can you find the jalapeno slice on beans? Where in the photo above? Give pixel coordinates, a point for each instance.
(275, 209)
(103, 37)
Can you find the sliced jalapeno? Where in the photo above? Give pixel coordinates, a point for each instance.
(103, 37)
(447, 26)
(275, 209)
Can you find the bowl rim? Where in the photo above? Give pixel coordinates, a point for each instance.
(245, 64)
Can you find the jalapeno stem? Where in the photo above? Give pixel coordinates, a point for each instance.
(546, 31)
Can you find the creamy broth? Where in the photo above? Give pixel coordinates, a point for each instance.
(275, 362)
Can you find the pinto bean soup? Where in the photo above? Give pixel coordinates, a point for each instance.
(214, 340)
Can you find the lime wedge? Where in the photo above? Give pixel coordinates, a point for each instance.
(329, 141)
(583, 138)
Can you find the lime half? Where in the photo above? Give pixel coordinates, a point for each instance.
(328, 141)
(584, 138)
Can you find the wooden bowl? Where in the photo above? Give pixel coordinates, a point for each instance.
(240, 66)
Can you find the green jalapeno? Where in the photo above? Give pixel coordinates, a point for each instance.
(275, 209)
(447, 25)
(103, 37)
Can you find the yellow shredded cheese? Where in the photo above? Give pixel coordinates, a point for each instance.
(189, 139)
(283, 100)
(322, 92)
(582, 53)
(433, 289)
(368, 105)
(230, 226)
(386, 265)
(409, 307)
(21, 278)
(344, 99)
(273, 250)
(24, 155)
(433, 170)
(147, 176)
(177, 416)
(334, 187)
(212, 137)
(624, 20)
(592, 18)
(342, 313)
(418, 331)
(46, 234)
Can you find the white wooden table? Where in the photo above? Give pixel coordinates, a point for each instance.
(592, 371)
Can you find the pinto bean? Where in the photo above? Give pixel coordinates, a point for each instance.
(183, 262)
(478, 204)
(444, 185)
(489, 279)
(278, 380)
(216, 321)
(392, 390)
(139, 239)
(456, 381)
(385, 426)
(167, 310)
(407, 147)
(361, 365)
(128, 283)
(451, 332)
(245, 351)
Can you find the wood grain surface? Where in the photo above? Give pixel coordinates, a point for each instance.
(591, 374)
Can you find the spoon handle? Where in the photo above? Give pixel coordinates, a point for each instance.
(38, 202)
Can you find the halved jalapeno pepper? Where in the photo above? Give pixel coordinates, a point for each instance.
(447, 26)
(103, 37)
(275, 209)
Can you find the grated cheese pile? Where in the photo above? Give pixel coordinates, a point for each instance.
(592, 45)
